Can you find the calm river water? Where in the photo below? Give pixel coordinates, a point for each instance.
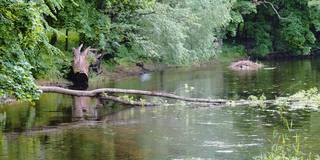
(63, 127)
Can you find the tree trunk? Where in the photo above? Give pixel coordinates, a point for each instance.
(80, 68)
(67, 40)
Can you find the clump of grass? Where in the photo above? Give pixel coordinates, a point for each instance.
(287, 146)
(284, 149)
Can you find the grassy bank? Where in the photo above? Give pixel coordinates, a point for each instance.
(287, 147)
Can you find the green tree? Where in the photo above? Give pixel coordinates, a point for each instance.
(183, 31)
(277, 26)
(23, 35)
(25, 51)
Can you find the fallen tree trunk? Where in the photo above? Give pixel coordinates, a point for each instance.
(99, 92)
(103, 94)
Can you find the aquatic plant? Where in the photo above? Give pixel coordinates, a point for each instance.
(287, 146)
(283, 149)
(304, 99)
(258, 101)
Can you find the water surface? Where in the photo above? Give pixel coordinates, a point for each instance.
(64, 127)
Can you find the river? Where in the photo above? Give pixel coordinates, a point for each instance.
(63, 127)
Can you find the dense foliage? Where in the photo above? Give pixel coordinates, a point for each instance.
(37, 36)
(25, 46)
(167, 31)
(278, 26)
(22, 42)
(184, 31)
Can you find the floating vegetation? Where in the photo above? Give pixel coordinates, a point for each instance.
(304, 99)
(258, 101)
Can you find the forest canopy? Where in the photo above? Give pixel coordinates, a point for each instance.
(159, 31)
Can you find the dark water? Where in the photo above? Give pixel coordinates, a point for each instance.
(63, 127)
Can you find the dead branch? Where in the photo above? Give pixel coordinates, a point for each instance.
(275, 10)
(99, 92)
(102, 93)
(257, 2)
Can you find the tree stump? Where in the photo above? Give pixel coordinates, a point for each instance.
(80, 68)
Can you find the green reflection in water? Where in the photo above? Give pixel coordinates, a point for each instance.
(164, 132)
(50, 110)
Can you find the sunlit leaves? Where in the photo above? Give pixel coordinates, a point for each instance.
(16, 79)
(184, 32)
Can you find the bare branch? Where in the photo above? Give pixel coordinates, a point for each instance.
(275, 10)
(257, 2)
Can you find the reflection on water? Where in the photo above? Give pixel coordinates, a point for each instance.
(83, 108)
(176, 132)
(217, 81)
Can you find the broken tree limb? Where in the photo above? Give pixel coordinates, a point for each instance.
(98, 92)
